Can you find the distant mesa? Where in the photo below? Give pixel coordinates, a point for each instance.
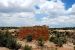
(35, 31)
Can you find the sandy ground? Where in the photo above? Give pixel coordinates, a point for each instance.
(3, 48)
(48, 45)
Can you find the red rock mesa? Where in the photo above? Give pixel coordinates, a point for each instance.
(35, 31)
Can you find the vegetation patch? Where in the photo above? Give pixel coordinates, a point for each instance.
(7, 40)
(27, 47)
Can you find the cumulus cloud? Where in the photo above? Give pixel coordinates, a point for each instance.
(17, 19)
(58, 15)
(16, 6)
(36, 12)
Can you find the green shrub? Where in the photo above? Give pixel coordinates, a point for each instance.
(29, 38)
(27, 47)
(12, 44)
(41, 41)
(59, 41)
(7, 40)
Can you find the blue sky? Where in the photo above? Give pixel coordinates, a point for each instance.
(54, 13)
(68, 3)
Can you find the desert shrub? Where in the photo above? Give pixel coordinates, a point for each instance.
(2, 40)
(29, 38)
(58, 41)
(12, 44)
(7, 40)
(40, 41)
(27, 47)
(52, 39)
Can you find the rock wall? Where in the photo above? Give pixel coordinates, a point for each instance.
(35, 31)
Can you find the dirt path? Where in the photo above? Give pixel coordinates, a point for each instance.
(3, 48)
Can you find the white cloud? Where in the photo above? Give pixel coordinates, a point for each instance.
(20, 3)
(18, 19)
(57, 14)
(23, 13)
(16, 5)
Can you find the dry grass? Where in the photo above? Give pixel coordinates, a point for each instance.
(48, 45)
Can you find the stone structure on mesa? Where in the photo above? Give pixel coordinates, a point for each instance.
(35, 31)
